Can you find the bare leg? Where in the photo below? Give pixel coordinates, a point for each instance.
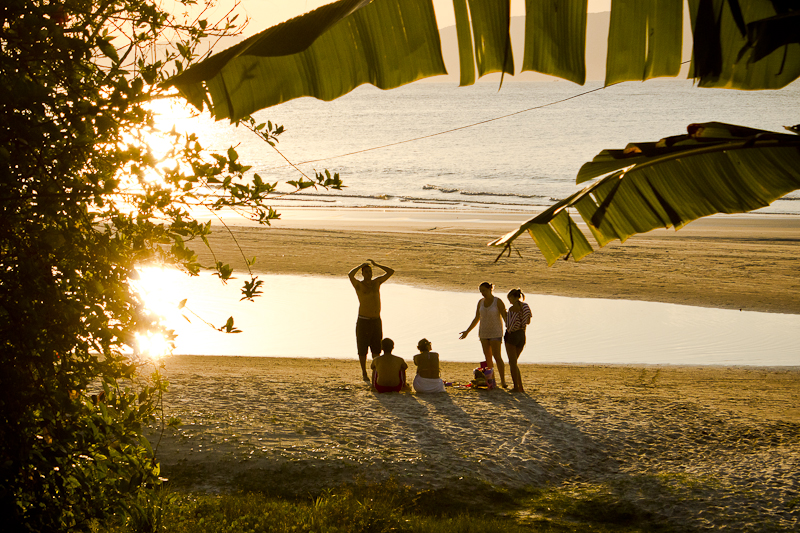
(363, 360)
(496, 347)
(516, 376)
(487, 352)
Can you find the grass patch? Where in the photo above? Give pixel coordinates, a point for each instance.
(595, 508)
(391, 507)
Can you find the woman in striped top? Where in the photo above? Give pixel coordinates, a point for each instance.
(519, 316)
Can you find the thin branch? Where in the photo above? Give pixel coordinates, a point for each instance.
(234, 240)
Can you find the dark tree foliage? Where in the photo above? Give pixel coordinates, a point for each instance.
(84, 199)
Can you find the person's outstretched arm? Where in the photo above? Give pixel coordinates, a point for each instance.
(388, 271)
(474, 322)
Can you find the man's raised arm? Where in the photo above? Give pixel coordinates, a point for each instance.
(388, 271)
(352, 273)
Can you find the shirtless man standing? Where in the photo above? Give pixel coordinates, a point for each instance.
(369, 330)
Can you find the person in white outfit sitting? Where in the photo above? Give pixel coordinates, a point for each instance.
(427, 378)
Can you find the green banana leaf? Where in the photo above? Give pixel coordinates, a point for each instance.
(715, 168)
(555, 39)
(745, 45)
(325, 53)
(488, 22)
(464, 36)
(328, 52)
(644, 40)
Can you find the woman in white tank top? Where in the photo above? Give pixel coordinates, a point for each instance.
(490, 314)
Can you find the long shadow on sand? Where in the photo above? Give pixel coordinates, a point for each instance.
(434, 446)
(497, 437)
(546, 443)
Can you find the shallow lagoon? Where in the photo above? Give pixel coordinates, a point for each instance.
(315, 317)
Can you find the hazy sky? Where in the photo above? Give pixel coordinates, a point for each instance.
(266, 13)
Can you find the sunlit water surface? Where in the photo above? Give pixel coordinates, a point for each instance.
(525, 161)
(315, 317)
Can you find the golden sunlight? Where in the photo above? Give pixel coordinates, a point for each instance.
(153, 287)
(155, 346)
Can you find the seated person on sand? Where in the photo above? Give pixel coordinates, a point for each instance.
(388, 371)
(427, 378)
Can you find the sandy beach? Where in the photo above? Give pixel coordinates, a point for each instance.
(698, 447)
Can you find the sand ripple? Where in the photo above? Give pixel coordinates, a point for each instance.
(697, 447)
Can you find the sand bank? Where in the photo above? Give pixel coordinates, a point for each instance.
(734, 262)
(699, 447)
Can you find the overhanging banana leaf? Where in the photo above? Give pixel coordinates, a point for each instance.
(745, 45)
(715, 168)
(325, 54)
(489, 21)
(767, 35)
(644, 40)
(388, 43)
(555, 39)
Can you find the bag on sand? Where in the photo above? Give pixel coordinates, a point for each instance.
(479, 380)
(483, 377)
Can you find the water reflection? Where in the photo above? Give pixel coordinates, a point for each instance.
(315, 317)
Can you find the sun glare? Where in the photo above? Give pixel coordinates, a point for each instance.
(168, 115)
(154, 346)
(153, 286)
(173, 113)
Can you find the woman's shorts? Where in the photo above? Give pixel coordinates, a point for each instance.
(515, 338)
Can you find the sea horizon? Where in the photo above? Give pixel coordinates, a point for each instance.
(519, 148)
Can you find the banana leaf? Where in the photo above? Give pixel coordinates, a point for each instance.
(555, 39)
(325, 53)
(745, 45)
(714, 168)
(388, 43)
(644, 40)
(491, 20)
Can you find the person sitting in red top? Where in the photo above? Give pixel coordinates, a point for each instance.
(388, 371)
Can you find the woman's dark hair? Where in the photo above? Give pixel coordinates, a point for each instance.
(487, 285)
(422, 344)
(516, 293)
(387, 344)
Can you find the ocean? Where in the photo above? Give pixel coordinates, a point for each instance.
(435, 145)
